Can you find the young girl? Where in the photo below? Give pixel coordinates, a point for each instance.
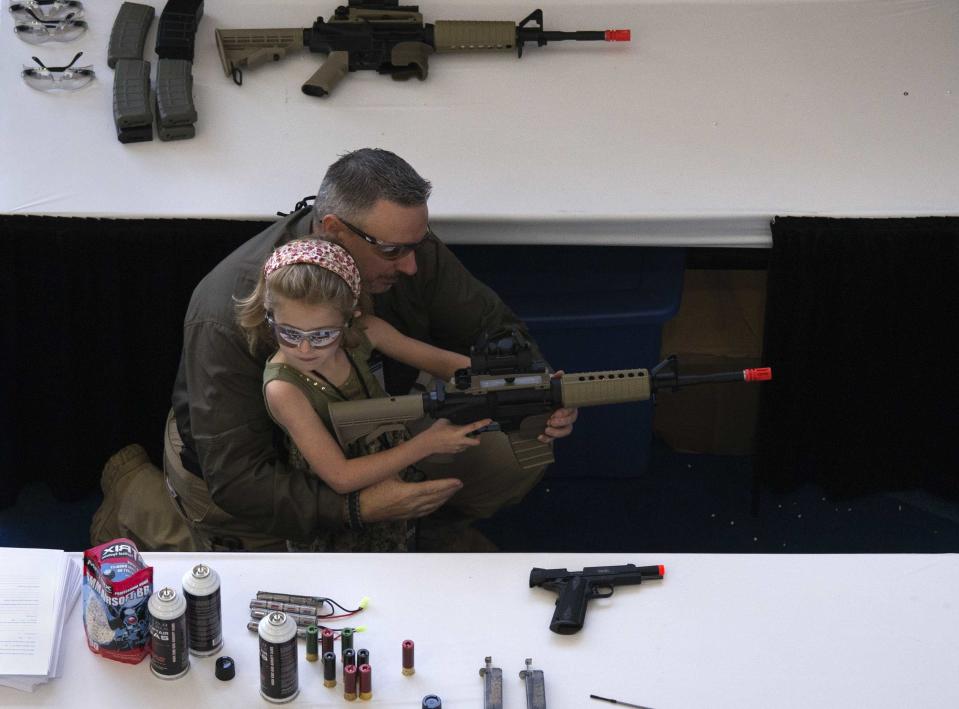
(307, 303)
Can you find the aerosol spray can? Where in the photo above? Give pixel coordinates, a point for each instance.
(201, 588)
(170, 656)
(279, 681)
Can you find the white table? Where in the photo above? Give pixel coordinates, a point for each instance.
(719, 631)
(717, 116)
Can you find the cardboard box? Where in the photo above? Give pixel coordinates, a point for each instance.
(719, 327)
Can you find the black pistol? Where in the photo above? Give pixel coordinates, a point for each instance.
(577, 588)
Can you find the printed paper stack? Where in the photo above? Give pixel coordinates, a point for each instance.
(38, 590)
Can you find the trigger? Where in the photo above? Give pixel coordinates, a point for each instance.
(488, 427)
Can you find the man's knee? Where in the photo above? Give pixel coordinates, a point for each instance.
(136, 506)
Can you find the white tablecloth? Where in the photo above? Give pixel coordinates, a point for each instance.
(736, 631)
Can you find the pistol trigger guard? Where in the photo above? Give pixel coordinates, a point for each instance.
(237, 75)
(606, 592)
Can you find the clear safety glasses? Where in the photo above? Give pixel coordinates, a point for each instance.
(36, 29)
(294, 336)
(47, 9)
(58, 78)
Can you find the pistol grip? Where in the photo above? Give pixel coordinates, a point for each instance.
(330, 73)
(570, 610)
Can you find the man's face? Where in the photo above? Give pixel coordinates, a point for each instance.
(390, 224)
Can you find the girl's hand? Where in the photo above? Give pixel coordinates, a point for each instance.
(445, 437)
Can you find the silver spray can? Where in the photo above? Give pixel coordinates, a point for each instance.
(279, 679)
(201, 589)
(169, 637)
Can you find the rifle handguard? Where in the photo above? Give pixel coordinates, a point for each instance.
(616, 386)
(473, 36)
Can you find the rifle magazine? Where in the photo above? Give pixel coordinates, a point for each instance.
(530, 453)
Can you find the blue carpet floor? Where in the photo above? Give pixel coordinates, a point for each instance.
(703, 504)
(681, 503)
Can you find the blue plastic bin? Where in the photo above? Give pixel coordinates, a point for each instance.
(591, 308)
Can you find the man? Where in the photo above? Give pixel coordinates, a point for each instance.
(223, 456)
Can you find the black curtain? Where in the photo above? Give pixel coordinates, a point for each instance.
(93, 313)
(859, 330)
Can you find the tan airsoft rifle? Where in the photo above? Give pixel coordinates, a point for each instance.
(386, 37)
(506, 384)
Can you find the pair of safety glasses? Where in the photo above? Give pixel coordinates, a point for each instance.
(39, 28)
(292, 336)
(47, 9)
(58, 78)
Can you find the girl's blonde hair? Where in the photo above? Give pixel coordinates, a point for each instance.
(304, 282)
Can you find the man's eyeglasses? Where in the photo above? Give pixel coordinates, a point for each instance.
(293, 336)
(386, 249)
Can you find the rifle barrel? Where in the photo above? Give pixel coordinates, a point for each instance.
(757, 374)
(543, 36)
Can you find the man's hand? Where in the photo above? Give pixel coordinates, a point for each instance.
(394, 499)
(560, 423)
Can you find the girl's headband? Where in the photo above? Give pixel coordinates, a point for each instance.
(320, 253)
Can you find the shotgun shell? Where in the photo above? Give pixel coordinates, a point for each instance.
(362, 657)
(349, 683)
(312, 651)
(349, 657)
(346, 641)
(408, 668)
(326, 640)
(366, 682)
(329, 669)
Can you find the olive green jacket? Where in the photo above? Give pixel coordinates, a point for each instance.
(218, 400)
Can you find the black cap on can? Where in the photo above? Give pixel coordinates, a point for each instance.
(225, 669)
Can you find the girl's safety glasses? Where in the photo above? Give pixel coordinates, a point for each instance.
(293, 336)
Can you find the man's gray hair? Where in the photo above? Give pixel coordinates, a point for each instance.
(357, 180)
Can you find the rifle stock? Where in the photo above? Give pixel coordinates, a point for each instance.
(368, 418)
(250, 48)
